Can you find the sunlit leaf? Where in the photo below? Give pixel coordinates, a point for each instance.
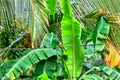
(71, 34)
(43, 77)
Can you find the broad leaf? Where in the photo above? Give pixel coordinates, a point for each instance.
(102, 27)
(46, 66)
(100, 30)
(71, 34)
(20, 65)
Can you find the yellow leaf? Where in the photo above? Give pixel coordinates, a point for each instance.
(12, 76)
(113, 58)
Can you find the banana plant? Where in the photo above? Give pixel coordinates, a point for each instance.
(71, 35)
(40, 16)
(45, 58)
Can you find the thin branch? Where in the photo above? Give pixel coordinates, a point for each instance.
(5, 51)
(86, 73)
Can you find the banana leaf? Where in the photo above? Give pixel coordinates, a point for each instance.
(12, 69)
(71, 34)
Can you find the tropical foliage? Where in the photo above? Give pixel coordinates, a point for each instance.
(59, 40)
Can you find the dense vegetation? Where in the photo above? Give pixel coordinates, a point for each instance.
(59, 40)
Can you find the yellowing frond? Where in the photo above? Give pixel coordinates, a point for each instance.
(113, 58)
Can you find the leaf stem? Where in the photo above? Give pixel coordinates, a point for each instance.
(69, 77)
(86, 73)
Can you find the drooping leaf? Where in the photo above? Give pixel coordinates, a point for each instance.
(32, 17)
(20, 65)
(46, 66)
(71, 34)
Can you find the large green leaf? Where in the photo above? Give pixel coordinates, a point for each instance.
(49, 66)
(46, 66)
(100, 31)
(71, 34)
(20, 65)
(102, 27)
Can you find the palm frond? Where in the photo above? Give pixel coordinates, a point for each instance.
(8, 23)
(32, 17)
(24, 15)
